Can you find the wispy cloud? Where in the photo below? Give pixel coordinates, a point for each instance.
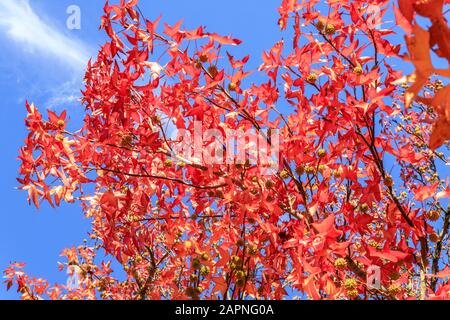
(64, 95)
(21, 24)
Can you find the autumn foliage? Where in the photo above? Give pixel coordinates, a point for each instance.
(361, 182)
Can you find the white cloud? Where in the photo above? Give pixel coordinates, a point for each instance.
(20, 23)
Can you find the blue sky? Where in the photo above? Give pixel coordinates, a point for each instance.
(43, 61)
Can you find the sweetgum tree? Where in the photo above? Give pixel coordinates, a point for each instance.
(355, 208)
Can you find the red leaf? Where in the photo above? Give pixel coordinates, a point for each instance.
(387, 254)
(406, 8)
(33, 195)
(443, 194)
(327, 227)
(429, 8)
(224, 40)
(9, 284)
(311, 288)
(444, 273)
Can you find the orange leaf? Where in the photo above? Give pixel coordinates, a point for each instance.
(419, 51)
(429, 8)
(426, 192)
(440, 35)
(326, 227)
(406, 8)
(311, 288)
(402, 20)
(443, 274)
(33, 195)
(224, 40)
(440, 134)
(441, 128)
